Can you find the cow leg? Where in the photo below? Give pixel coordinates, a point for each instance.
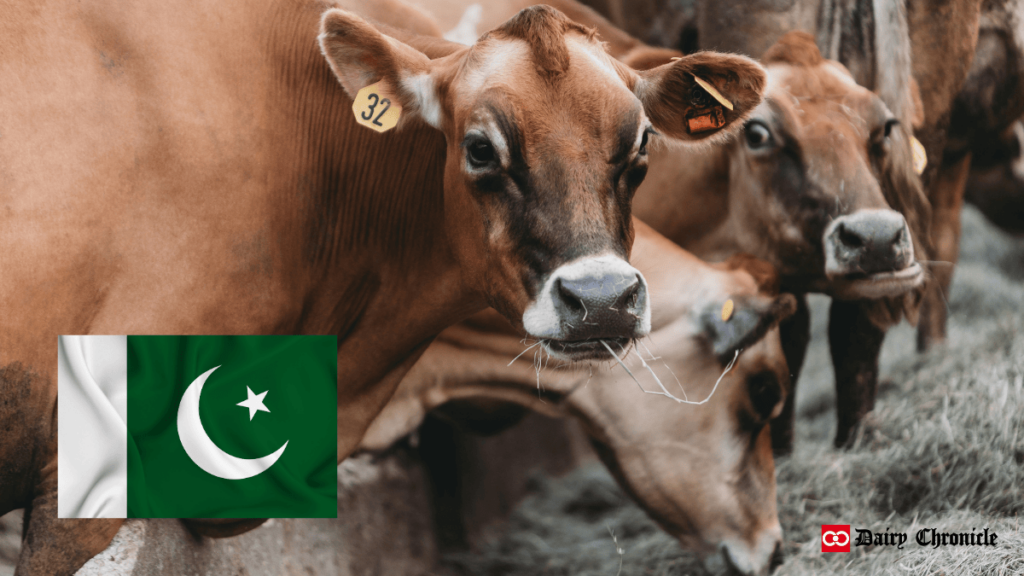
(947, 201)
(855, 344)
(795, 333)
(55, 547)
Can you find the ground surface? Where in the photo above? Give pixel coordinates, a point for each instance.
(944, 449)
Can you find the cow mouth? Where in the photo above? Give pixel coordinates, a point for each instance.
(587, 349)
(859, 285)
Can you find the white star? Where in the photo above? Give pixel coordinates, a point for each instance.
(254, 402)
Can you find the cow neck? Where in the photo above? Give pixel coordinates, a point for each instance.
(376, 266)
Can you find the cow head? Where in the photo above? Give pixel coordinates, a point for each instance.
(823, 173)
(547, 140)
(704, 472)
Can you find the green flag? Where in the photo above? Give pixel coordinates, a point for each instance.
(232, 426)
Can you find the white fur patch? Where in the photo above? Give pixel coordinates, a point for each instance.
(579, 47)
(491, 61)
(425, 93)
(750, 559)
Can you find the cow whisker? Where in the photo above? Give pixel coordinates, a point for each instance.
(667, 367)
(536, 367)
(664, 391)
(538, 343)
(726, 371)
(619, 360)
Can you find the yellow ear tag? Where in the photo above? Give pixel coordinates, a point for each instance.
(711, 90)
(920, 156)
(727, 310)
(375, 110)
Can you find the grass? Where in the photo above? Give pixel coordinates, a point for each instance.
(943, 449)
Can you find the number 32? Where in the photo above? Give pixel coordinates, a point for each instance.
(369, 113)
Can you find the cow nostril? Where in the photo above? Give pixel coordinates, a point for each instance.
(632, 295)
(570, 298)
(849, 237)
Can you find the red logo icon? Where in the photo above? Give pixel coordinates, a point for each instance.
(835, 537)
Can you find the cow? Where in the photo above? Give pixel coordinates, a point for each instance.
(916, 55)
(822, 185)
(175, 170)
(979, 148)
(995, 184)
(705, 472)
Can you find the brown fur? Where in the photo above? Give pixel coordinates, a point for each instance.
(763, 273)
(544, 29)
(796, 49)
(672, 85)
(989, 100)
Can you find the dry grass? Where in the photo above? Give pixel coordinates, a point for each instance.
(944, 449)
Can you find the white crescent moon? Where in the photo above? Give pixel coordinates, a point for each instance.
(203, 451)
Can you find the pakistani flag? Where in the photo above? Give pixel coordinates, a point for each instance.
(197, 427)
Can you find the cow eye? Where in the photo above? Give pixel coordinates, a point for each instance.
(480, 153)
(758, 135)
(890, 124)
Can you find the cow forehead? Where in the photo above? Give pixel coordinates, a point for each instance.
(505, 66)
(823, 98)
(823, 80)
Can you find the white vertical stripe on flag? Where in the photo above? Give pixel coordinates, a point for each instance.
(92, 434)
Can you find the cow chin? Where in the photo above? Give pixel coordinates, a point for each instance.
(877, 285)
(590, 309)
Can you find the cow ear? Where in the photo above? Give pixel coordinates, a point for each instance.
(360, 55)
(729, 328)
(681, 108)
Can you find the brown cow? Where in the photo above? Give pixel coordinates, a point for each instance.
(704, 473)
(996, 185)
(175, 170)
(980, 140)
(884, 46)
(816, 186)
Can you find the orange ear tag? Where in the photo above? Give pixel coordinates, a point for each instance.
(375, 110)
(920, 156)
(727, 310)
(703, 120)
(714, 93)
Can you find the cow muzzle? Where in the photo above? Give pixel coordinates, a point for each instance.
(588, 304)
(735, 558)
(870, 254)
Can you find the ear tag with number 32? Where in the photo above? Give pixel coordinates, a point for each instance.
(375, 110)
